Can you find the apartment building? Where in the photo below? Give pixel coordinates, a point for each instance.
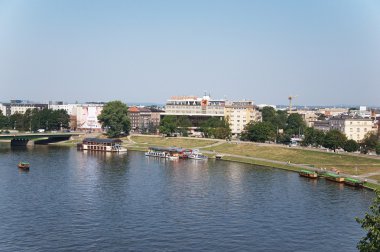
(144, 119)
(87, 117)
(239, 114)
(353, 127)
(20, 107)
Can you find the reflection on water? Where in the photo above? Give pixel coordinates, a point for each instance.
(96, 201)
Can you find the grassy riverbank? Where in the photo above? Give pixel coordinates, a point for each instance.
(275, 156)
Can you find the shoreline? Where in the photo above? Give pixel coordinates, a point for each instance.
(293, 167)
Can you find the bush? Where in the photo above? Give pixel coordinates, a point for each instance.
(378, 149)
(351, 146)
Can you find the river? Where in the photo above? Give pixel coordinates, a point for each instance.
(91, 201)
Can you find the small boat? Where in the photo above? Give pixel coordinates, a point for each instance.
(353, 182)
(198, 156)
(308, 174)
(218, 156)
(334, 177)
(23, 165)
(173, 157)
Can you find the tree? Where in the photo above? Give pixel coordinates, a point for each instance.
(259, 132)
(216, 128)
(168, 125)
(351, 146)
(371, 223)
(334, 139)
(377, 149)
(114, 118)
(295, 124)
(313, 137)
(369, 142)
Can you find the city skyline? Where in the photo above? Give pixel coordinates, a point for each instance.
(325, 52)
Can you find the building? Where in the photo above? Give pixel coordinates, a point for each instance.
(239, 114)
(144, 119)
(322, 125)
(353, 127)
(71, 109)
(329, 112)
(20, 107)
(309, 116)
(195, 108)
(87, 117)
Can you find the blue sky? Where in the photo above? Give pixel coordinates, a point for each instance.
(326, 52)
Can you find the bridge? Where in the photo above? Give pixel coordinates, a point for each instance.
(21, 139)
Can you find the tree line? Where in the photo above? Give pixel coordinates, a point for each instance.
(34, 119)
(280, 127)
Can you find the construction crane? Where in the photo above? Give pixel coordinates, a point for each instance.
(290, 98)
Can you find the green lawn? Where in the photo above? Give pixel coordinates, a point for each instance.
(345, 163)
(172, 141)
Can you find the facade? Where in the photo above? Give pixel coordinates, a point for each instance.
(87, 117)
(20, 107)
(322, 125)
(71, 109)
(144, 119)
(308, 116)
(353, 128)
(329, 112)
(239, 114)
(196, 108)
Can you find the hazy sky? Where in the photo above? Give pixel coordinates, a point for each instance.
(326, 52)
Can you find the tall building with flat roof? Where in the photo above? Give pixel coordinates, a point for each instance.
(197, 109)
(239, 114)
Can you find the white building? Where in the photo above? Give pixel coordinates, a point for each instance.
(353, 128)
(71, 109)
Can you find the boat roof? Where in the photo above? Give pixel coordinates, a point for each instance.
(353, 180)
(332, 175)
(306, 171)
(101, 140)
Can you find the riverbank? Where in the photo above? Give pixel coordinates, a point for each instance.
(277, 156)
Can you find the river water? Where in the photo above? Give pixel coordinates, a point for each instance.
(79, 201)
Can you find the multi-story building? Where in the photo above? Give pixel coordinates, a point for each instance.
(87, 117)
(322, 125)
(144, 119)
(20, 107)
(309, 116)
(195, 108)
(353, 127)
(71, 109)
(329, 112)
(239, 114)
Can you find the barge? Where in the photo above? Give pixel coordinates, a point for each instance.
(308, 174)
(334, 177)
(353, 182)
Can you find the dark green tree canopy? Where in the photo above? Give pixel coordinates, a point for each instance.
(334, 139)
(259, 132)
(313, 137)
(114, 117)
(295, 124)
(370, 141)
(351, 146)
(216, 128)
(371, 223)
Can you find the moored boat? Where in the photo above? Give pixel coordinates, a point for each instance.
(308, 174)
(334, 177)
(353, 182)
(100, 144)
(218, 156)
(198, 156)
(23, 165)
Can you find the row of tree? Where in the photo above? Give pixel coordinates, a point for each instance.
(276, 126)
(35, 119)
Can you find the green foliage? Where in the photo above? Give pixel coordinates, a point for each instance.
(259, 132)
(276, 118)
(174, 124)
(334, 139)
(377, 149)
(371, 223)
(351, 146)
(295, 124)
(313, 137)
(114, 117)
(216, 128)
(369, 142)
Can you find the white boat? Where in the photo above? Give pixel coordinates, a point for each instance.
(198, 156)
(157, 154)
(173, 158)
